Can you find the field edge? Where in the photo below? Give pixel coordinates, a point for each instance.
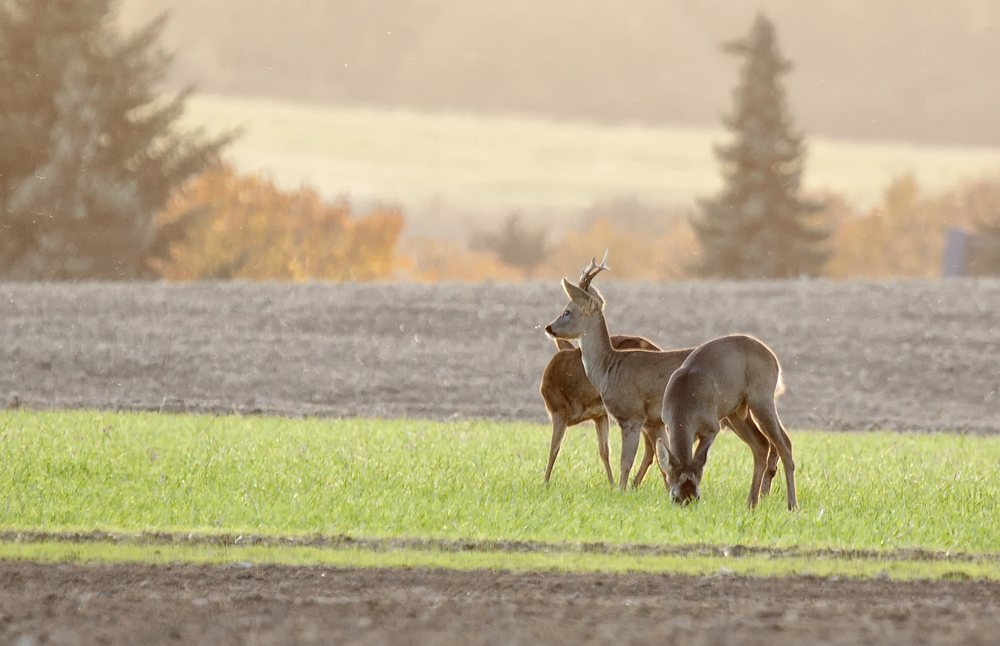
(348, 552)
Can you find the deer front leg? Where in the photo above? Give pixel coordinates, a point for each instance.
(631, 432)
(558, 432)
(603, 448)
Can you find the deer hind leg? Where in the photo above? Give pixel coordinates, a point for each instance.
(603, 447)
(772, 453)
(770, 471)
(747, 431)
(767, 420)
(558, 432)
(631, 432)
(649, 436)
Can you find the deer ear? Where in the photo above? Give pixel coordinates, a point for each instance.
(596, 295)
(701, 455)
(698, 462)
(580, 298)
(665, 457)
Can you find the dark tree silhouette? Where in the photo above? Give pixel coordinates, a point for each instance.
(983, 201)
(514, 244)
(89, 153)
(758, 226)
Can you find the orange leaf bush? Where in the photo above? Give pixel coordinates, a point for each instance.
(903, 236)
(243, 226)
(632, 255)
(437, 260)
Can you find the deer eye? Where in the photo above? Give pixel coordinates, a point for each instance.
(566, 312)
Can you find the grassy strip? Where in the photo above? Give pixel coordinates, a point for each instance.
(479, 480)
(396, 544)
(534, 561)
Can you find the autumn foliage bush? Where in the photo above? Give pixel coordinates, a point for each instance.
(430, 260)
(243, 226)
(654, 253)
(903, 235)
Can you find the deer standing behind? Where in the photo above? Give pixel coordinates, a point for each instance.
(631, 382)
(571, 399)
(736, 378)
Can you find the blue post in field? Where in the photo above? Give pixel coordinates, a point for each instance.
(956, 249)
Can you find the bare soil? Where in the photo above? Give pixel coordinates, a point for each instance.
(902, 355)
(244, 604)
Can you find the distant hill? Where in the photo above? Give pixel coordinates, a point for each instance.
(916, 70)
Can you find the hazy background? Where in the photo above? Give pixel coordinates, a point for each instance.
(909, 70)
(462, 112)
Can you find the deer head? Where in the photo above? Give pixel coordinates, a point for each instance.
(584, 302)
(682, 477)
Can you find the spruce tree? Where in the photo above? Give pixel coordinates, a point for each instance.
(758, 226)
(89, 153)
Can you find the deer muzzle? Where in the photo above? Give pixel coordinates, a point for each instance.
(684, 490)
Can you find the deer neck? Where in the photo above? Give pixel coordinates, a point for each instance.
(596, 350)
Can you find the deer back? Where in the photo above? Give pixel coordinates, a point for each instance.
(719, 376)
(634, 382)
(565, 386)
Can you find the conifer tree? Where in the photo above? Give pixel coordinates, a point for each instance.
(89, 153)
(758, 226)
(514, 244)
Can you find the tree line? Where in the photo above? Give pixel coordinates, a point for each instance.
(99, 181)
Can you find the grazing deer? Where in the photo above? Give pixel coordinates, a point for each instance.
(734, 378)
(631, 382)
(571, 399)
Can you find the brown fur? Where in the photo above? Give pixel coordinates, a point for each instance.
(631, 382)
(571, 399)
(736, 378)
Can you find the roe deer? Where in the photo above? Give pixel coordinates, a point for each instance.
(569, 396)
(734, 378)
(630, 382)
(571, 399)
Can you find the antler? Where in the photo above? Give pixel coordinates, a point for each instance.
(591, 271)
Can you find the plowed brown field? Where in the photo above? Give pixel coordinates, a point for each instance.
(902, 355)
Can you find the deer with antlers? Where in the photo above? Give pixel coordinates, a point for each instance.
(571, 399)
(631, 382)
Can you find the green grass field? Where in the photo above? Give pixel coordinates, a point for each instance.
(72, 471)
(450, 167)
